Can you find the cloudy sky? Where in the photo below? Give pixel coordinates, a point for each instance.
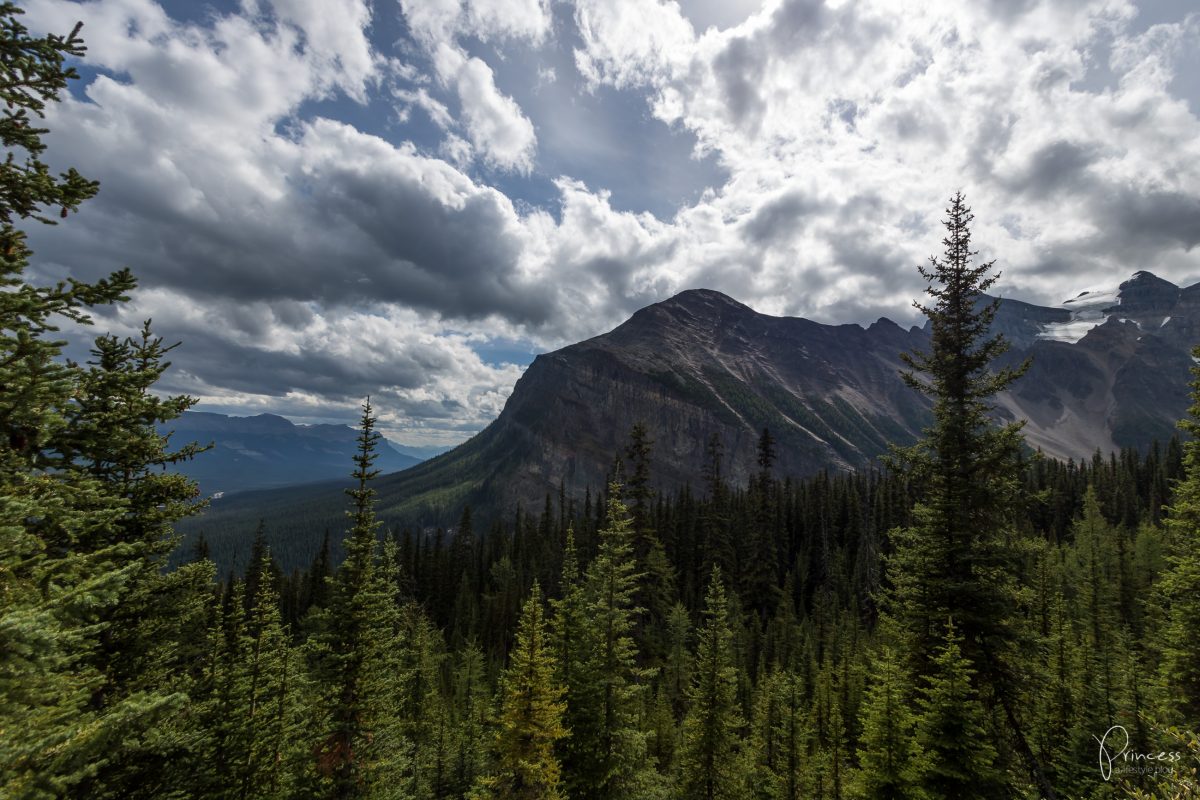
(329, 198)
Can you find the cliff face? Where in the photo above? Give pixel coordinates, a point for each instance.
(700, 364)
(1109, 370)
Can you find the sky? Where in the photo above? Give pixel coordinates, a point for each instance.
(324, 199)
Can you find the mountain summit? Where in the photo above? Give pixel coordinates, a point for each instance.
(1110, 370)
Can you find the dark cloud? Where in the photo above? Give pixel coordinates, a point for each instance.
(1146, 221)
(798, 22)
(777, 219)
(739, 71)
(1060, 166)
(344, 235)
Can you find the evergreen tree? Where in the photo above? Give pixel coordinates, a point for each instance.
(1177, 594)
(957, 758)
(266, 717)
(470, 718)
(347, 651)
(886, 751)
(957, 559)
(711, 757)
(793, 732)
(89, 624)
(531, 712)
(608, 748)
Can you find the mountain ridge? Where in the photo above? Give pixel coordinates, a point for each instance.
(267, 450)
(1108, 371)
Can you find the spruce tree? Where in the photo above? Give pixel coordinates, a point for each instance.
(1177, 594)
(470, 718)
(96, 641)
(957, 758)
(531, 713)
(712, 762)
(266, 717)
(608, 749)
(793, 733)
(886, 751)
(957, 560)
(571, 644)
(347, 652)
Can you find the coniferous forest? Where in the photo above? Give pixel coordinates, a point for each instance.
(971, 620)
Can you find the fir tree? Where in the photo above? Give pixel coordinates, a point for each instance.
(608, 749)
(266, 719)
(88, 622)
(347, 651)
(470, 717)
(793, 732)
(957, 559)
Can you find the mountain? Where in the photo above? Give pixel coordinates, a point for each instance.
(1109, 370)
(268, 451)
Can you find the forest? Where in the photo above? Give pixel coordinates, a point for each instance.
(971, 620)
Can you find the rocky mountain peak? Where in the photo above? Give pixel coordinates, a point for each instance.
(1146, 293)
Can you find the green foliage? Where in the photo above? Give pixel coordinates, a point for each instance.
(96, 643)
(351, 649)
(888, 753)
(1178, 592)
(956, 559)
(121, 676)
(531, 712)
(712, 760)
(956, 757)
(607, 748)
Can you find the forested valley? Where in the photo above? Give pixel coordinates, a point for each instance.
(970, 620)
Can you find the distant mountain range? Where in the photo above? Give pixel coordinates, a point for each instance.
(267, 451)
(1110, 370)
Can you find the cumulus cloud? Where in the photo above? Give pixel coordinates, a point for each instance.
(383, 240)
(493, 121)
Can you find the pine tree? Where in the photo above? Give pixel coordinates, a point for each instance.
(608, 749)
(762, 578)
(470, 717)
(677, 669)
(793, 732)
(266, 719)
(571, 643)
(531, 712)
(90, 627)
(711, 757)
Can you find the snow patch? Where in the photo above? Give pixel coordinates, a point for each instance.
(1087, 311)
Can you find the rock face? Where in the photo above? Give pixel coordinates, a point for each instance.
(701, 363)
(1109, 370)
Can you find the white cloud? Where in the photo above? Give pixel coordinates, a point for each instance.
(272, 240)
(499, 131)
(494, 122)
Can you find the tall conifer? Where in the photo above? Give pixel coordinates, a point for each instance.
(712, 763)
(531, 712)
(957, 560)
